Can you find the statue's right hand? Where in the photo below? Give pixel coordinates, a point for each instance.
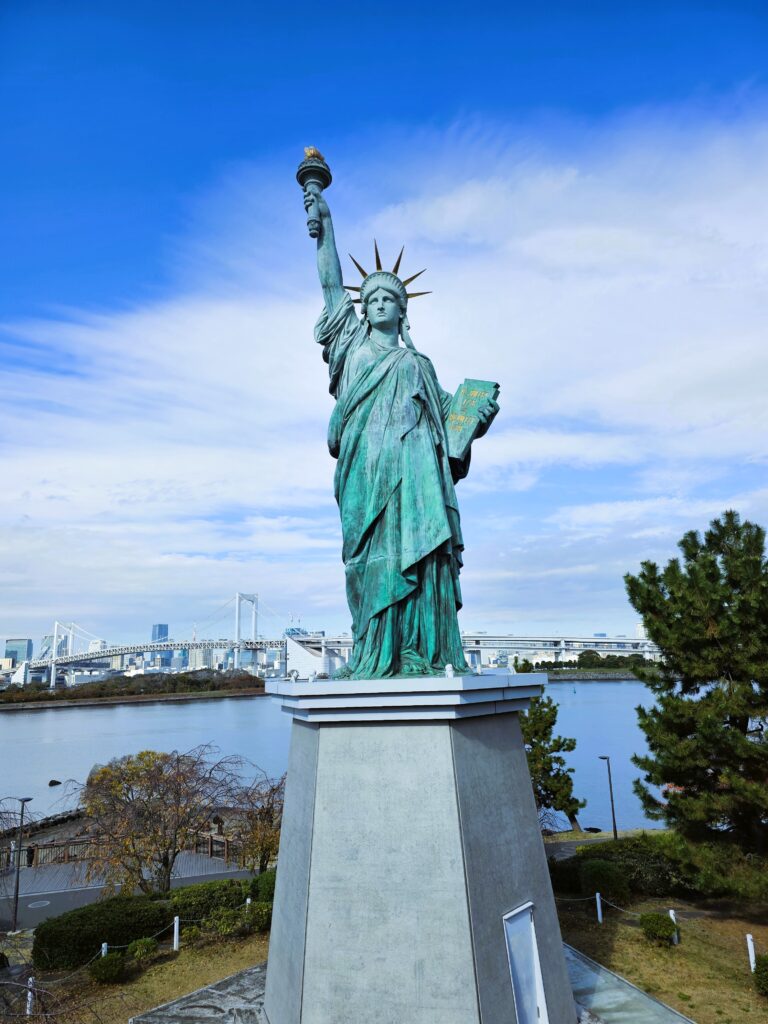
(310, 198)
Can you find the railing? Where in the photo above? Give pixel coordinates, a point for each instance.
(40, 855)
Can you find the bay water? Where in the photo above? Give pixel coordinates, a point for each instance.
(64, 743)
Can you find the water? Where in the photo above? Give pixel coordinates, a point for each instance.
(64, 743)
(600, 716)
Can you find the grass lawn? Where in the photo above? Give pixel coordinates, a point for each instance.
(706, 977)
(170, 976)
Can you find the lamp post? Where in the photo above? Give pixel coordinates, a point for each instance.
(604, 757)
(23, 800)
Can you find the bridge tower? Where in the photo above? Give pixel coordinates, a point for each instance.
(253, 601)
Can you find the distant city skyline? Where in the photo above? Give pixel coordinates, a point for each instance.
(41, 649)
(586, 190)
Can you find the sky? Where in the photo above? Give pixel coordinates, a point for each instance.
(585, 184)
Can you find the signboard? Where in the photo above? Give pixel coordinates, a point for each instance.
(524, 966)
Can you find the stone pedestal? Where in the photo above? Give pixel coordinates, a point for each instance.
(409, 835)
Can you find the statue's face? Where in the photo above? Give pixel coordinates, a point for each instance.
(383, 309)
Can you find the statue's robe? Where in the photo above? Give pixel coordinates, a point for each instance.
(395, 488)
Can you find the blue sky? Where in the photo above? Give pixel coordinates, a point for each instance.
(585, 183)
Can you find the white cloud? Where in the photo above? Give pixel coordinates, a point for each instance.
(616, 291)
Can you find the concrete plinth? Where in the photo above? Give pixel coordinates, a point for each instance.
(409, 833)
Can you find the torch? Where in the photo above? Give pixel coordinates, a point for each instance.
(313, 174)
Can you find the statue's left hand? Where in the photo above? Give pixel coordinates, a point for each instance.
(486, 414)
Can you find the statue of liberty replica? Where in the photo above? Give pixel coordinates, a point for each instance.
(412, 885)
(397, 467)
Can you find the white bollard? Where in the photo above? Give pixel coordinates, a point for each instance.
(676, 936)
(176, 934)
(751, 952)
(104, 948)
(30, 996)
(599, 905)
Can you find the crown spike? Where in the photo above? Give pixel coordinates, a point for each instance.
(414, 276)
(378, 258)
(397, 261)
(363, 273)
(415, 295)
(352, 288)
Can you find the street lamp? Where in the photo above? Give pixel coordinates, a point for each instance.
(604, 757)
(23, 800)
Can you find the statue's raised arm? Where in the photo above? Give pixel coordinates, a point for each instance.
(314, 175)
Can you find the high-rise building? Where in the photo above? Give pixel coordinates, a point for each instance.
(160, 633)
(46, 646)
(200, 658)
(18, 650)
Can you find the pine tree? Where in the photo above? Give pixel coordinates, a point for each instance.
(552, 782)
(707, 747)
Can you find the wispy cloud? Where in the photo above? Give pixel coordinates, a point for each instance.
(157, 459)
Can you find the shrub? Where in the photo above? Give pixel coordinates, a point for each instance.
(70, 940)
(110, 969)
(229, 923)
(265, 886)
(761, 974)
(565, 874)
(194, 902)
(191, 935)
(260, 915)
(606, 878)
(652, 865)
(659, 928)
(141, 949)
(722, 869)
(666, 864)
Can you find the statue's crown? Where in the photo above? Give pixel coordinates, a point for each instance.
(384, 277)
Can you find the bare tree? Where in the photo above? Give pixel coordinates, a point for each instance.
(146, 807)
(257, 814)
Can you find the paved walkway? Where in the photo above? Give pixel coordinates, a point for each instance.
(568, 847)
(55, 888)
(58, 877)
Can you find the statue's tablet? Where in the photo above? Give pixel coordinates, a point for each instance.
(463, 423)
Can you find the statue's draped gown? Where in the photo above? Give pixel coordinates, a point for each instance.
(395, 488)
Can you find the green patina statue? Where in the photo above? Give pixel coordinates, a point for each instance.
(394, 478)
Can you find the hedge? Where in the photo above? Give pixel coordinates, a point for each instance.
(228, 923)
(664, 863)
(194, 902)
(111, 969)
(72, 939)
(265, 886)
(260, 916)
(606, 878)
(565, 874)
(141, 949)
(761, 973)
